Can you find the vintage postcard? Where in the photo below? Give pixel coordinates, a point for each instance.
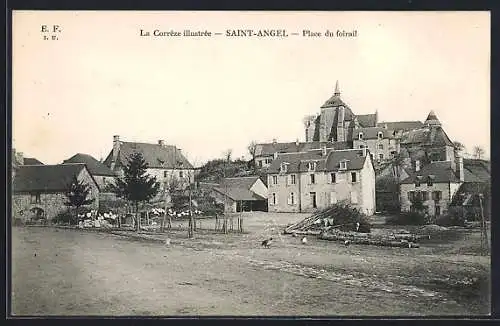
(184, 163)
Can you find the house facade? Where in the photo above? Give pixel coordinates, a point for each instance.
(381, 142)
(165, 162)
(39, 190)
(304, 182)
(434, 185)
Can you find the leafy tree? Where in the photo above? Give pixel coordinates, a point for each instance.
(478, 152)
(78, 195)
(252, 148)
(459, 147)
(135, 185)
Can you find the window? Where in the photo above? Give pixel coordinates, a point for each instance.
(380, 146)
(380, 156)
(311, 166)
(260, 164)
(353, 177)
(380, 135)
(333, 198)
(343, 165)
(333, 177)
(417, 181)
(103, 179)
(269, 160)
(274, 199)
(360, 136)
(283, 167)
(436, 195)
(437, 211)
(292, 179)
(291, 200)
(371, 156)
(181, 174)
(275, 179)
(35, 198)
(424, 195)
(354, 197)
(312, 178)
(361, 146)
(165, 174)
(411, 195)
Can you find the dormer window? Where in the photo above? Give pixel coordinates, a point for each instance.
(380, 135)
(311, 166)
(430, 180)
(418, 181)
(360, 136)
(343, 165)
(283, 167)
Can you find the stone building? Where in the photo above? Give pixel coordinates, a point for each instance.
(100, 172)
(165, 162)
(306, 181)
(381, 142)
(241, 194)
(39, 190)
(435, 184)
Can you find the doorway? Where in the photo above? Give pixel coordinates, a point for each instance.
(313, 200)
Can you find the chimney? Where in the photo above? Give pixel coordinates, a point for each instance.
(323, 150)
(161, 142)
(417, 165)
(365, 150)
(116, 150)
(460, 168)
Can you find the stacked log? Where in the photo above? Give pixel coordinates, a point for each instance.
(366, 240)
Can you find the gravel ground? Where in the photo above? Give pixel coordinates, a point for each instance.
(75, 272)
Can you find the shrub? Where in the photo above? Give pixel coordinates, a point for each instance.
(407, 218)
(450, 219)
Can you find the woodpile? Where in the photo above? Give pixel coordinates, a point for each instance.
(393, 240)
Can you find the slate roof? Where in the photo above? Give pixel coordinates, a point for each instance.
(372, 133)
(480, 170)
(298, 162)
(31, 161)
(428, 136)
(267, 149)
(468, 192)
(94, 166)
(155, 155)
(367, 120)
(45, 178)
(239, 188)
(401, 125)
(441, 171)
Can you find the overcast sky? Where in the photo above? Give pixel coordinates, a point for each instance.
(207, 95)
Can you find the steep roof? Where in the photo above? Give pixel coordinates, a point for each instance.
(367, 120)
(31, 161)
(48, 178)
(479, 170)
(239, 188)
(372, 132)
(271, 148)
(155, 155)
(401, 125)
(441, 171)
(467, 193)
(94, 166)
(429, 136)
(297, 162)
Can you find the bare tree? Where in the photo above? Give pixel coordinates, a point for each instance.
(478, 152)
(252, 148)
